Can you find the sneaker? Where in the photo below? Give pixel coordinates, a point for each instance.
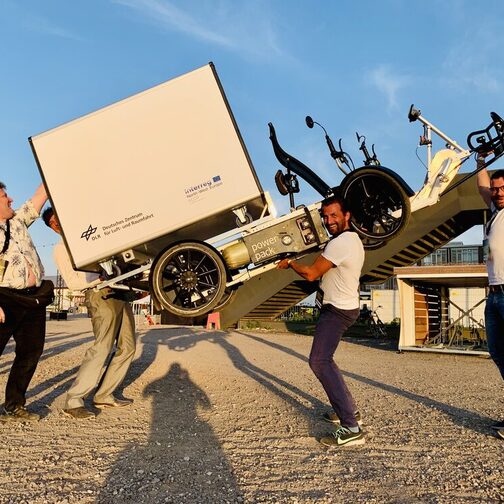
(20, 413)
(498, 425)
(331, 417)
(114, 403)
(343, 436)
(500, 433)
(79, 413)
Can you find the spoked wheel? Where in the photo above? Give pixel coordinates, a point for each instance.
(189, 279)
(377, 329)
(379, 205)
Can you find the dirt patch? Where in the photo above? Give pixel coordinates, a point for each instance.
(234, 417)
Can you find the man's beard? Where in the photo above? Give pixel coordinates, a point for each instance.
(497, 205)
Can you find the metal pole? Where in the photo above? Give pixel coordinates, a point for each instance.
(441, 134)
(429, 145)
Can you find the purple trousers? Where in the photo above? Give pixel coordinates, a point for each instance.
(332, 324)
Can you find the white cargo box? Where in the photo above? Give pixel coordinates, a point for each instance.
(164, 165)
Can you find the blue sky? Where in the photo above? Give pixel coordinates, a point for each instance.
(353, 66)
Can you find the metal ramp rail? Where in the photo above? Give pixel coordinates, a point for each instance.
(267, 296)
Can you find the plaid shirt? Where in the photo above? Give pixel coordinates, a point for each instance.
(21, 253)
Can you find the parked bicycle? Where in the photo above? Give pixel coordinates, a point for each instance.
(375, 327)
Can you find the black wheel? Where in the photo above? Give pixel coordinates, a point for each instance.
(188, 279)
(381, 329)
(379, 205)
(248, 220)
(372, 329)
(376, 328)
(370, 244)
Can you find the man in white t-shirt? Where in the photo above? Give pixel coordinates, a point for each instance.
(492, 192)
(339, 266)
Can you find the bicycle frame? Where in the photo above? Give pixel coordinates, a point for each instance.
(375, 325)
(380, 201)
(441, 169)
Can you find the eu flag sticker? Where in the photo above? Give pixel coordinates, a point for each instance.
(216, 179)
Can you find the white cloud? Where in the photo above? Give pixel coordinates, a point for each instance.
(234, 26)
(167, 15)
(388, 83)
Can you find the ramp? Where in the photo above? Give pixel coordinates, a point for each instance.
(267, 296)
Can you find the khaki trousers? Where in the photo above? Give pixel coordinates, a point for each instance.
(113, 322)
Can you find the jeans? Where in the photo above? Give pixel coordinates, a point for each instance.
(27, 327)
(494, 323)
(332, 324)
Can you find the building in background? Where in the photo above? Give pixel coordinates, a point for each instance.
(454, 253)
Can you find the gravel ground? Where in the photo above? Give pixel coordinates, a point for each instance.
(234, 417)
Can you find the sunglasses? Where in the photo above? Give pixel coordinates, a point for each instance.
(495, 190)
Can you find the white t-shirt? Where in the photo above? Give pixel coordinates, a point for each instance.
(341, 283)
(75, 280)
(495, 260)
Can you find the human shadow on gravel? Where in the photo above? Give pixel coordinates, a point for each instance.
(179, 338)
(385, 344)
(48, 352)
(270, 381)
(459, 416)
(182, 461)
(183, 338)
(59, 384)
(55, 387)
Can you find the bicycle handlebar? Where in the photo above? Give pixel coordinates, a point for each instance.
(490, 139)
(369, 160)
(337, 155)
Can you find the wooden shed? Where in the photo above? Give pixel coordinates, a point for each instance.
(424, 293)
